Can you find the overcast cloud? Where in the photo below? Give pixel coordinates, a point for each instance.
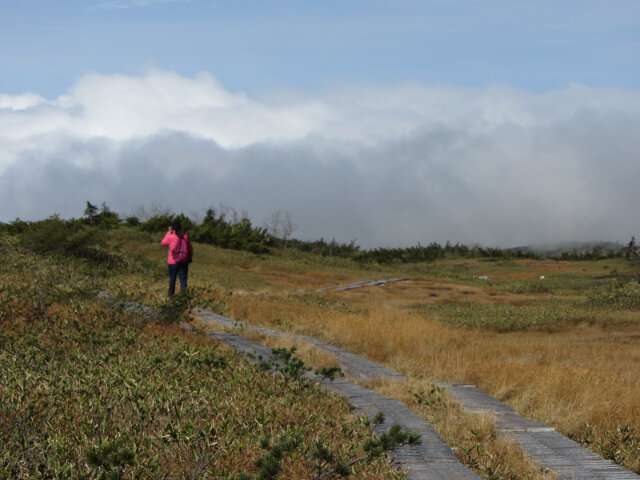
(386, 165)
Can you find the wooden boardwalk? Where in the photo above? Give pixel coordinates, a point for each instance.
(431, 460)
(568, 459)
(364, 283)
(552, 450)
(352, 365)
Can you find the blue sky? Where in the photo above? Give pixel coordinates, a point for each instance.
(258, 45)
(388, 122)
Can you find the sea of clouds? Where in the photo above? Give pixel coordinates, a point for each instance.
(386, 165)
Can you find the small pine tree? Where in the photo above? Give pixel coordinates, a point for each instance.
(91, 212)
(631, 252)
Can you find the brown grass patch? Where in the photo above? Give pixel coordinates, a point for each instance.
(472, 436)
(565, 379)
(570, 378)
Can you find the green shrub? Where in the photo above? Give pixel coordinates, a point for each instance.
(326, 249)
(241, 235)
(621, 446)
(69, 238)
(539, 315)
(16, 227)
(104, 217)
(157, 223)
(132, 221)
(435, 251)
(56, 236)
(617, 294)
(524, 286)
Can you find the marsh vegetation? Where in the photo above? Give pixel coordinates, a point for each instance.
(89, 390)
(95, 392)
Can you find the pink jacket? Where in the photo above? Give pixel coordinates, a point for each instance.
(171, 240)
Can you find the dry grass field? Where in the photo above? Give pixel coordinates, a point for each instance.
(557, 341)
(541, 345)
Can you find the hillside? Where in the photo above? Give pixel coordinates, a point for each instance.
(92, 391)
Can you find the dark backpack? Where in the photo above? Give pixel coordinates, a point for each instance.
(181, 253)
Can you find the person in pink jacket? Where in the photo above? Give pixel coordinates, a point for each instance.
(178, 265)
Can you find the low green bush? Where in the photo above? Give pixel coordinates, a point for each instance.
(523, 286)
(540, 315)
(157, 223)
(68, 238)
(617, 294)
(621, 446)
(92, 391)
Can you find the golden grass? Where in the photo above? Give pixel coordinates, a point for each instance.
(581, 374)
(567, 379)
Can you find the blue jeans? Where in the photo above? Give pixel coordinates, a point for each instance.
(180, 270)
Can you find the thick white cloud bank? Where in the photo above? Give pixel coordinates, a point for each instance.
(385, 165)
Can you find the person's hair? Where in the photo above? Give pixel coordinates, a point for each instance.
(177, 226)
